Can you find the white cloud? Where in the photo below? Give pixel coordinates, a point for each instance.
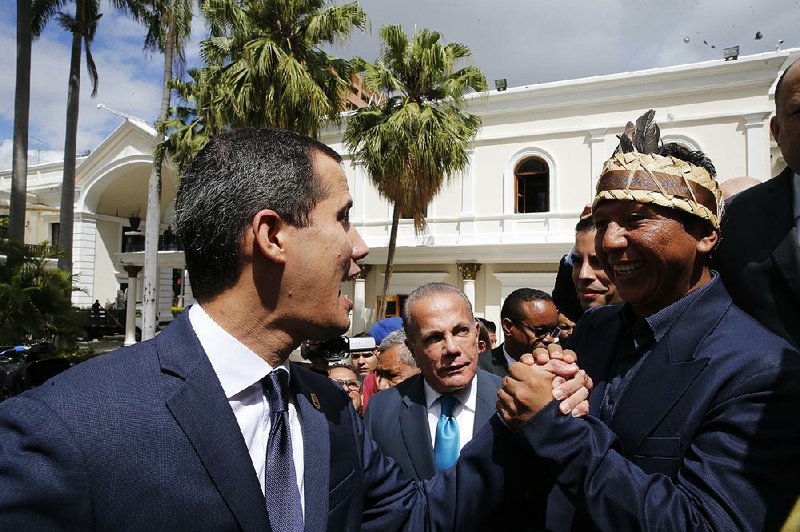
(34, 156)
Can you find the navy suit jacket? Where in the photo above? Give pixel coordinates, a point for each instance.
(397, 419)
(144, 439)
(704, 437)
(494, 361)
(759, 255)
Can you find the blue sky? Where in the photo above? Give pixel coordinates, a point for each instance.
(525, 41)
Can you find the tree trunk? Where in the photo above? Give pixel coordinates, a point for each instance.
(153, 220)
(387, 279)
(67, 215)
(22, 98)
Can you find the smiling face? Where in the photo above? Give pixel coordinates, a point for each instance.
(324, 255)
(444, 340)
(652, 257)
(594, 287)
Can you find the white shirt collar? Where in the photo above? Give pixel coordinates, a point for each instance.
(236, 366)
(796, 183)
(467, 396)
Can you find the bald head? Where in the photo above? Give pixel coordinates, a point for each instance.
(733, 186)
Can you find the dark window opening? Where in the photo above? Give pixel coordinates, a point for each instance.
(532, 186)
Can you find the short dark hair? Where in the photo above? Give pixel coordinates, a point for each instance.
(779, 85)
(695, 157)
(584, 225)
(237, 174)
(411, 327)
(512, 306)
(490, 325)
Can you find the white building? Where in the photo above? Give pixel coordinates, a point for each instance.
(505, 223)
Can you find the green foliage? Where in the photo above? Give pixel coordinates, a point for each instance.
(265, 67)
(35, 299)
(417, 137)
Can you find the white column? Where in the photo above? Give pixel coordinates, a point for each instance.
(469, 271)
(598, 154)
(84, 237)
(130, 306)
(467, 226)
(360, 300)
(756, 135)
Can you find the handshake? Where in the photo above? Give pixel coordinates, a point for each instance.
(540, 377)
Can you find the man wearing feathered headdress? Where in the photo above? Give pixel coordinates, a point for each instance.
(689, 426)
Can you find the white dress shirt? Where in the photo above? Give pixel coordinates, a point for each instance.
(240, 371)
(464, 411)
(509, 359)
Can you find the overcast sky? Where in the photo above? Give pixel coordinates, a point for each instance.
(524, 41)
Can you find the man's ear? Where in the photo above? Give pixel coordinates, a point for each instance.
(707, 243)
(506, 324)
(775, 129)
(269, 232)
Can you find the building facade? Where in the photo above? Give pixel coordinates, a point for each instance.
(503, 223)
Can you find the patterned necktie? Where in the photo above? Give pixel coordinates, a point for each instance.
(280, 491)
(445, 448)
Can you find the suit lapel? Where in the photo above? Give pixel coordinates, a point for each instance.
(782, 230)
(669, 369)
(486, 401)
(415, 431)
(499, 361)
(316, 453)
(201, 409)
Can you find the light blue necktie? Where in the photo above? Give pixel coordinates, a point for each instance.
(445, 448)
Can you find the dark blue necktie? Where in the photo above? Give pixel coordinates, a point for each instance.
(280, 482)
(445, 448)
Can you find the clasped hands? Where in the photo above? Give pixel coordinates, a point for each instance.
(540, 377)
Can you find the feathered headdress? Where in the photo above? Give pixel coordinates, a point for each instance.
(642, 169)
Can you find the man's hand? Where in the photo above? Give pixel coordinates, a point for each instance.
(528, 388)
(574, 395)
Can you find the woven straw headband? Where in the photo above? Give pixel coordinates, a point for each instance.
(660, 180)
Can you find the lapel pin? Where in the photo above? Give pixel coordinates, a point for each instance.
(315, 401)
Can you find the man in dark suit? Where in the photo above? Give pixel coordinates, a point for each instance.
(759, 252)
(407, 421)
(529, 319)
(688, 427)
(208, 426)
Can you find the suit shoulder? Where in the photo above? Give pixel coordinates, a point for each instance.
(313, 384)
(488, 377)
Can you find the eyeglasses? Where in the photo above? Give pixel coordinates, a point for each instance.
(541, 332)
(351, 384)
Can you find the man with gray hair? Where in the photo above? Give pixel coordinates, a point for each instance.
(426, 420)
(395, 363)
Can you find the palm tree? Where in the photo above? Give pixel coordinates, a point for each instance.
(22, 98)
(265, 66)
(168, 30)
(417, 138)
(83, 26)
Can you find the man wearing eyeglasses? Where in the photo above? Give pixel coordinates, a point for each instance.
(529, 319)
(345, 376)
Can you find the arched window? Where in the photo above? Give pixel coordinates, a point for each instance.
(532, 184)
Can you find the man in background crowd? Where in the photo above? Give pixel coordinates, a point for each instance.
(343, 374)
(592, 284)
(491, 329)
(759, 252)
(426, 420)
(395, 362)
(529, 319)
